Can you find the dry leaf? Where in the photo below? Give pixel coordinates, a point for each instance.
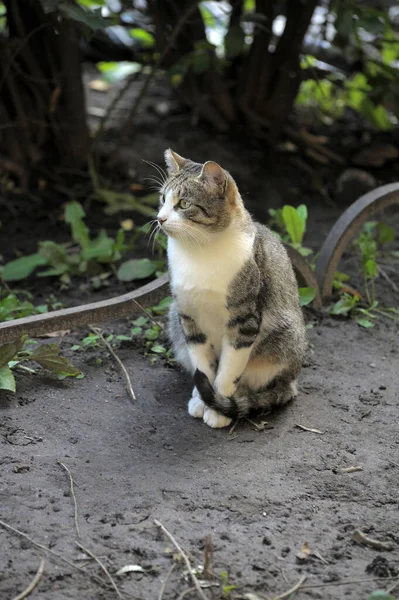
(55, 334)
(309, 429)
(99, 85)
(130, 569)
(304, 552)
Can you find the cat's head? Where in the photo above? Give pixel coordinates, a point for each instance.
(197, 200)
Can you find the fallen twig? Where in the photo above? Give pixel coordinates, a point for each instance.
(27, 591)
(118, 360)
(387, 278)
(52, 552)
(185, 558)
(103, 567)
(361, 538)
(73, 496)
(292, 590)
(149, 315)
(309, 429)
(351, 469)
(163, 587)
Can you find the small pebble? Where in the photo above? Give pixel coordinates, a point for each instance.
(372, 365)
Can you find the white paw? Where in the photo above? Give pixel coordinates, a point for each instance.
(214, 419)
(196, 406)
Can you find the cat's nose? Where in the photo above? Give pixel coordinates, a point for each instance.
(161, 220)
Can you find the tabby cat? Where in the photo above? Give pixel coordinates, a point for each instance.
(235, 323)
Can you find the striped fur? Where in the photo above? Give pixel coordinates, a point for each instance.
(235, 322)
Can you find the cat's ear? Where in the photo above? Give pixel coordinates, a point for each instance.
(211, 171)
(174, 161)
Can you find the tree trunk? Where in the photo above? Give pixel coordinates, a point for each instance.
(260, 84)
(42, 106)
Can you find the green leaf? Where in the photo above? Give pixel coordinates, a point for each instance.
(304, 251)
(20, 268)
(151, 334)
(381, 595)
(365, 323)
(7, 379)
(234, 41)
(101, 248)
(293, 224)
(158, 349)
(134, 269)
(74, 215)
(145, 38)
(163, 306)
(386, 234)
(10, 350)
(91, 18)
(48, 356)
(140, 321)
(137, 330)
(344, 305)
(370, 268)
(118, 71)
(302, 211)
(306, 295)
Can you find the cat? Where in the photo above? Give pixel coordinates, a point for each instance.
(235, 322)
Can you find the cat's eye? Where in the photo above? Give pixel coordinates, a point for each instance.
(184, 204)
(162, 199)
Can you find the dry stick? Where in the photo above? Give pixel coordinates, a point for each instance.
(185, 558)
(163, 587)
(387, 278)
(292, 590)
(27, 591)
(52, 552)
(118, 360)
(104, 568)
(73, 496)
(149, 315)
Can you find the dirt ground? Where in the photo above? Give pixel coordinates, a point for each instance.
(259, 492)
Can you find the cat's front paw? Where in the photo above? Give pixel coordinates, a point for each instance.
(214, 419)
(196, 407)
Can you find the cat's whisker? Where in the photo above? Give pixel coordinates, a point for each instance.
(161, 172)
(155, 180)
(153, 233)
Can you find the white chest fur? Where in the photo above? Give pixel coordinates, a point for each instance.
(200, 277)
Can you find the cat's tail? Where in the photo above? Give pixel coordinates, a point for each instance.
(222, 404)
(242, 406)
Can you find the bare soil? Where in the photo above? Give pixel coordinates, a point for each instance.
(260, 492)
